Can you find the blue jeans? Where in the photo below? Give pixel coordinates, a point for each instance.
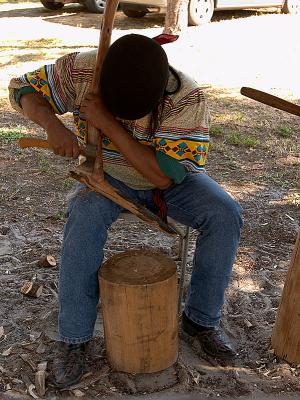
(198, 202)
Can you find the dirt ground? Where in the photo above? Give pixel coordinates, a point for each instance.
(254, 155)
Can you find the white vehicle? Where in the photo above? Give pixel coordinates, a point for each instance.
(96, 6)
(201, 11)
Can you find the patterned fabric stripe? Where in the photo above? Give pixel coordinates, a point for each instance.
(182, 133)
(57, 94)
(170, 109)
(185, 139)
(115, 161)
(181, 150)
(177, 132)
(24, 79)
(192, 167)
(80, 124)
(39, 81)
(64, 67)
(79, 75)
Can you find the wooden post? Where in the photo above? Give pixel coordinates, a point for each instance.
(139, 304)
(286, 332)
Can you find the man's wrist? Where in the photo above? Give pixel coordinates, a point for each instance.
(51, 123)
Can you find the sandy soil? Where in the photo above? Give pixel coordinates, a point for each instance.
(254, 155)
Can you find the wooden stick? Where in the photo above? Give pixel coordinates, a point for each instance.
(104, 42)
(83, 175)
(271, 100)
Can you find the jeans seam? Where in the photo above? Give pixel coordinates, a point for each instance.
(203, 323)
(79, 340)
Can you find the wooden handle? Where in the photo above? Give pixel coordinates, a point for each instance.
(104, 42)
(271, 100)
(94, 134)
(25, 142)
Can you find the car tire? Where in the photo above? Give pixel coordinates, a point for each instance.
(200, 11)
(131, 12)
(95, 6)
(50, 5)
(291, 7)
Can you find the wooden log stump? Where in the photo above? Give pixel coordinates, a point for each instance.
(286, 332)
(139, 305)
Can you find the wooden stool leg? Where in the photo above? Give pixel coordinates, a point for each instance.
(184, 243)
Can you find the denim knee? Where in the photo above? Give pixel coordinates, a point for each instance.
(223, 211)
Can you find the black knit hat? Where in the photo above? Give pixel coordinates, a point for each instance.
(134, 76)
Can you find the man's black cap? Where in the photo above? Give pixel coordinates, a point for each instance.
(134, 76)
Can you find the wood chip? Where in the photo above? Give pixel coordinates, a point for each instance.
(29, 385)
(78, 393)
(53, 292)
(7, 352)
(2, 369)
(47, 261)
(196, 379)
(41, 348)
(32, 289)
(27, 358)
(42, 366)
(34, 336)
(40, 383)
(248, 323)
(1, 331)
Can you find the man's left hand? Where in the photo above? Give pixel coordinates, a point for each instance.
(93, 110)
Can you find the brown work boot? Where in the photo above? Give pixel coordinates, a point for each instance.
(213, 341)
(69, 364)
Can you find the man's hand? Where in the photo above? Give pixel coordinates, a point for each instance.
(62, 141)
(93, 110)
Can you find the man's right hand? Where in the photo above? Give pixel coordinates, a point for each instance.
(62, 141)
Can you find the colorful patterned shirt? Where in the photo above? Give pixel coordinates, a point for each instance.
(182, 134)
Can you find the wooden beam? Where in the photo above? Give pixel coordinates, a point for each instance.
(286, 332)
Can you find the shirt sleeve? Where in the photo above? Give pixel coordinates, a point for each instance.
(54, 82)
(184, 133)
(171, 167)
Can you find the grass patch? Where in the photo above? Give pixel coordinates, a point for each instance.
(44, 164)
(68, 183)
(216, 131)
(237, 139)
(10, 135)
(60, 215)
(285, 132)
(239, 116)
(51, 42)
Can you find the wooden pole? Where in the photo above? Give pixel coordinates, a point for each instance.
(94, 135)
(139, 304)
(286, 332)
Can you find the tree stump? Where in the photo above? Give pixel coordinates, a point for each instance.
(286, 332)
(139, 305)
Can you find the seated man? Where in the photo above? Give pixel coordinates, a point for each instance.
(155, 125)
